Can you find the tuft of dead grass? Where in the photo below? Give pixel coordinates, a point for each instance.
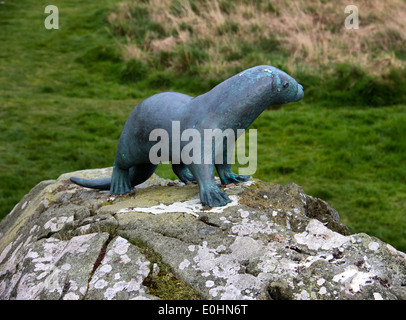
(304, 32)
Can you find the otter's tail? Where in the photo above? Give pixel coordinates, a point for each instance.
(102, 184)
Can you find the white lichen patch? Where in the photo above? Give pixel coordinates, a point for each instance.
(71, 296)
(317, 236)
(134, 285)
(184, 264)
(120, 246)
(303, 295)
(244, 213)
(57, 223)
(377, 296)
(101, 284)
(225, 220)
(245, 247)
(353, 279)
(373, 245)
(252, 227)
(193, 207)
(322, 290)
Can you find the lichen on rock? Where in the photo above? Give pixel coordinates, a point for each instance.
(62, 241)
(120, 273)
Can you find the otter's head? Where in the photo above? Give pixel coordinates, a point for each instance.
(284, 88)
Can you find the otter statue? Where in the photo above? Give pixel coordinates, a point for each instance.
(233, 104)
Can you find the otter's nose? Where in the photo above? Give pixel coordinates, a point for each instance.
(300, 92)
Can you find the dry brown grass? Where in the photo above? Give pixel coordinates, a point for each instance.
(307, 32)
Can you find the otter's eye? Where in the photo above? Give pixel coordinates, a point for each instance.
(286, 84)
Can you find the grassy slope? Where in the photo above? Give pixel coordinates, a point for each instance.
(63, 104)
(43, 122)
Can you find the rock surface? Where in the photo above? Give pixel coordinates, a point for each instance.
(62, 241)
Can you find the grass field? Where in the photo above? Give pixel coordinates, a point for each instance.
(65, 94)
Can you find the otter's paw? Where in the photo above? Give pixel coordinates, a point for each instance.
(214, 197)
(187, 177)
(120, 189)
(183, 173)
(234, 178)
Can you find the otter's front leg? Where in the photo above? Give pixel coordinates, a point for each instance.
(210, 193)
(227, 176)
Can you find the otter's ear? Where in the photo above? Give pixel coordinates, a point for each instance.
(286, 84)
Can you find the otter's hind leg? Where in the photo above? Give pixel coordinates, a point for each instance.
(183, 173)
(124, 179)
(120, 180)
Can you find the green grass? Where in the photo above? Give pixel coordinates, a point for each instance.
(65, 95)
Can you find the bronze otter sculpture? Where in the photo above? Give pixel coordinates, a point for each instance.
(233, 104)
